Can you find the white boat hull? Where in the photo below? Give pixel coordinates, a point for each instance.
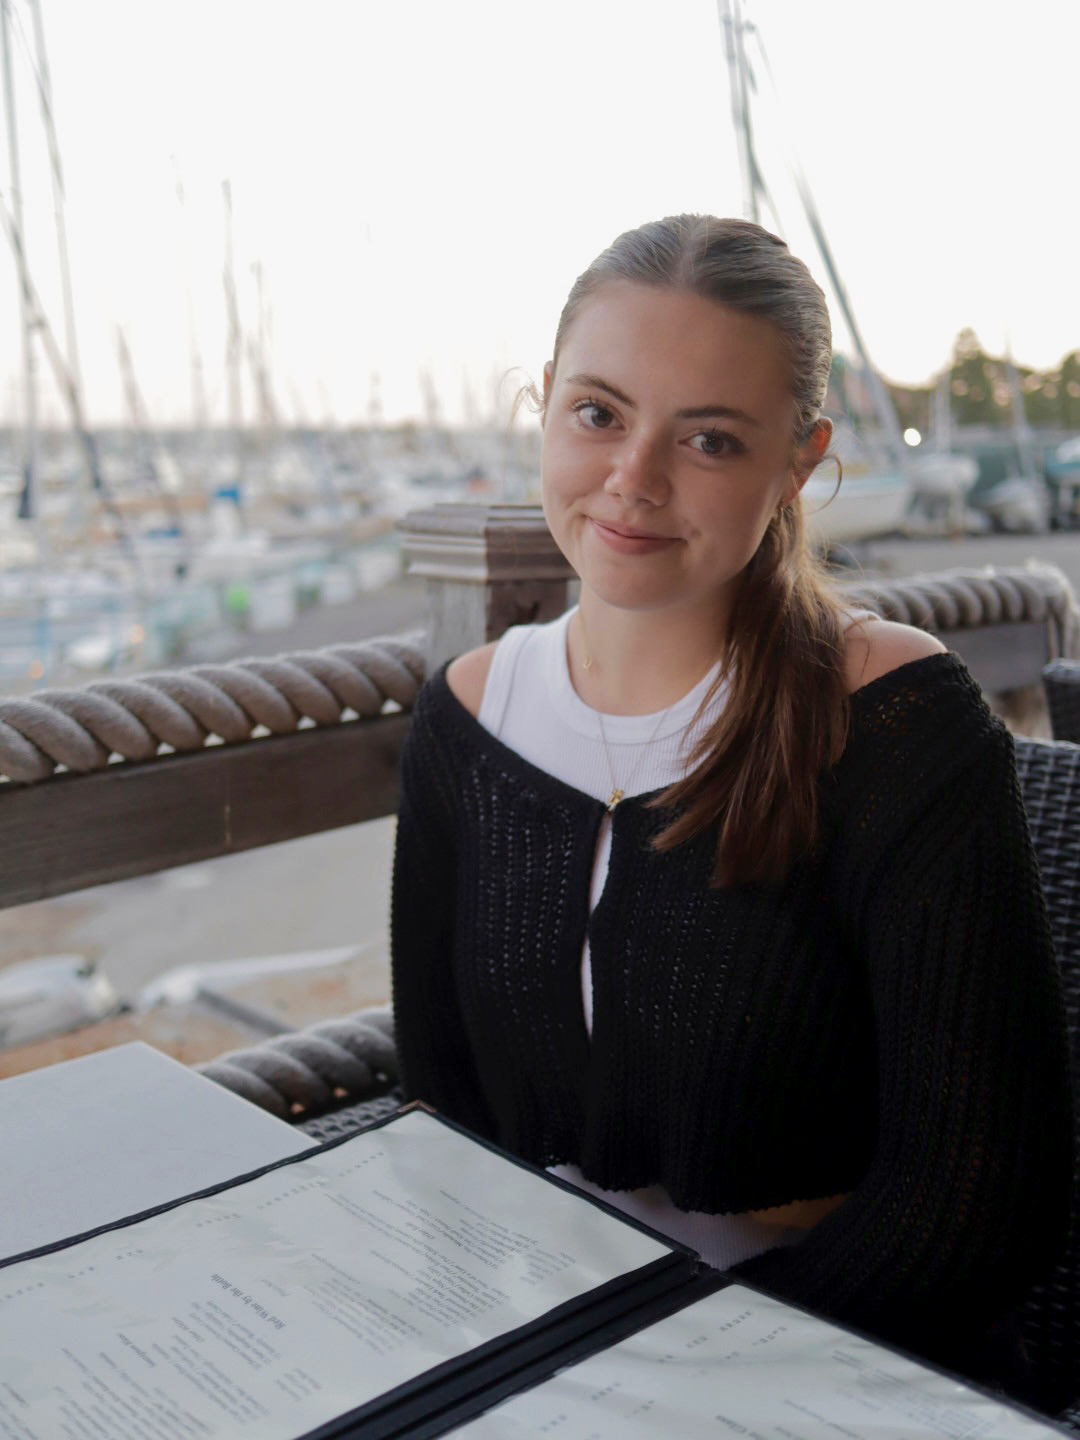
(943, 475)
(863, 507)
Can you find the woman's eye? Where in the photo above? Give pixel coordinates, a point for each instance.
(716, 442)
(594, 415)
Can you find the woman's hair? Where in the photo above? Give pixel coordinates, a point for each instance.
(755, 772)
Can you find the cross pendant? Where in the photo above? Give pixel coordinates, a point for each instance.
(613, 800)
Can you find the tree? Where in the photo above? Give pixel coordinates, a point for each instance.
(980, 391)
(975, 384)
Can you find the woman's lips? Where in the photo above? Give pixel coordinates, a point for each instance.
(630, 542)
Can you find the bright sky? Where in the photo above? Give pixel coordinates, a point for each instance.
(421, 180)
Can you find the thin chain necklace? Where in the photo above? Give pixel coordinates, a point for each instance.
(618, 792)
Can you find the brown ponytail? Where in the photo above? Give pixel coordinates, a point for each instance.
(755, 772)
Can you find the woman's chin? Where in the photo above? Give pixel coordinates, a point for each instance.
(629, 593)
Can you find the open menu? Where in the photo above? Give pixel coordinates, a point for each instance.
(407, 1280)
(347, 1291)
(741, 1363)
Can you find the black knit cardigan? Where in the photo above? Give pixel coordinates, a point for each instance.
(886, 1023)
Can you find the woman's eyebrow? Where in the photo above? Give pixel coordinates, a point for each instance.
(697, 412)
(594, 382)
(718, 412)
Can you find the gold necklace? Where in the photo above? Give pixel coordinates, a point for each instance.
(618, 792)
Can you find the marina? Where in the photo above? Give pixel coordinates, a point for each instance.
(155, 577)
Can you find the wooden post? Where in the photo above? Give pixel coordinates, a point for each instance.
(487, 567)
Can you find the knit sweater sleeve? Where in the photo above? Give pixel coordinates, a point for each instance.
(434, 1052)
(967, 1198)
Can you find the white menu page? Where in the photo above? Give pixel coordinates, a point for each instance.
(279, 1304)
(88, 1141)
(740, 1364)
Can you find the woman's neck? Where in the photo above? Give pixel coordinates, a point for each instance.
(628, 662)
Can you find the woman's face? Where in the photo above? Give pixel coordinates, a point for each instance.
(667, 445)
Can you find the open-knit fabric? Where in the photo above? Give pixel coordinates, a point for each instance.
(531, 705)
(886, 1022)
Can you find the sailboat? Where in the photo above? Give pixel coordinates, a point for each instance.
(1063, 473)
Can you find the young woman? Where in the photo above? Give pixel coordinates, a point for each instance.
(713, 895)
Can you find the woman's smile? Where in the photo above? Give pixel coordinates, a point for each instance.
(627, 541)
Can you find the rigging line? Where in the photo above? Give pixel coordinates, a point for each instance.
(28, 504)
(734, 56)
(36, 311)
(31, 60)
(742, 82)
(44, 90)
(150, 442)
(791, 155)
(746, 85)
(59, 198)
(886, 410)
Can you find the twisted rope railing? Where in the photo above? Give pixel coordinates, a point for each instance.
(312, 1068)
(964, 599)
(81, 729)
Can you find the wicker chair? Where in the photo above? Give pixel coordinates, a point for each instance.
(1049, 1320)
(1061, 681)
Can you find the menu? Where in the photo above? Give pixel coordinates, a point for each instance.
(739, 1363)
(288, 1300)
(401, 1282)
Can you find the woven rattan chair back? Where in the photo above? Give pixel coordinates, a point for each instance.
(1049, 775)
(1061, 681)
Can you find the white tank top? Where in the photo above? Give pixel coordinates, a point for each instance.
(530, 705)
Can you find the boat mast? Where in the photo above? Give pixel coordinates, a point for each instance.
(56, 169)
(233, 342)
(735, 29)
(149, 442)
(38, 322)
(28, 502)
(198, 379)
(59, 197)
(259, 349)
(734, 50)
(34, 319)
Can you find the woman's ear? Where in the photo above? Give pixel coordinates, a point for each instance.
(811, 453)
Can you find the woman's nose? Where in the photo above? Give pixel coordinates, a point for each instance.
(639, 472)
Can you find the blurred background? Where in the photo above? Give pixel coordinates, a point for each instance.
(273, 275)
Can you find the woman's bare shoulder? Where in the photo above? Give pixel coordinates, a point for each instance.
(467, 676)
(874, 647)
